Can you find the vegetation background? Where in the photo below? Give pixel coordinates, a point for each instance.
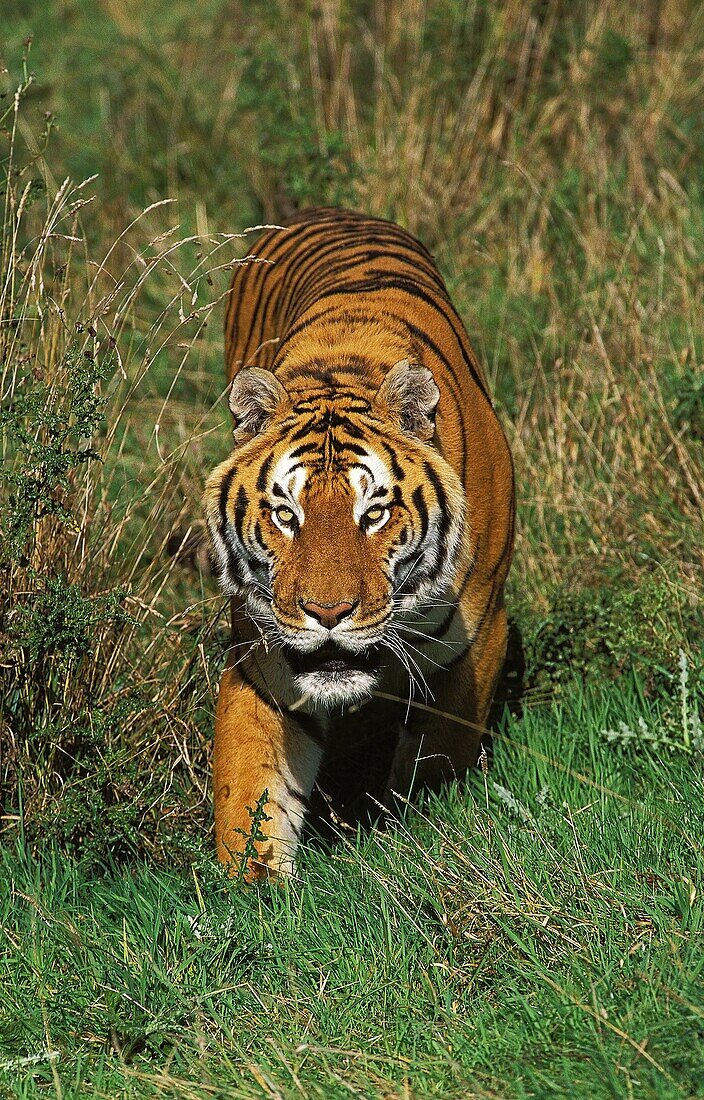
(539, 932)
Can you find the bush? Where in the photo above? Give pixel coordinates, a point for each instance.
(600, 631)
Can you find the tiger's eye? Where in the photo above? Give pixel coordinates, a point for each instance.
(284, 515)
(374, 514)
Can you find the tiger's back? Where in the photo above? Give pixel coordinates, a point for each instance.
(353, 381)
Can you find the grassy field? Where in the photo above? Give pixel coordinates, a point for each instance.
(537, 935)
(538, 932)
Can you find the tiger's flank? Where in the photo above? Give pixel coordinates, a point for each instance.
(363, 523)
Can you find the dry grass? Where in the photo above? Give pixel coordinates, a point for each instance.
(125, 672)
(548, 155)
(566, 175)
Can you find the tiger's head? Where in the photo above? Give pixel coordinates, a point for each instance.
(332, 517)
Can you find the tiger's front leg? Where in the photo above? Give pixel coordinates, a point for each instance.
(258, 748)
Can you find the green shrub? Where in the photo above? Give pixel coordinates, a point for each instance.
(600, 631)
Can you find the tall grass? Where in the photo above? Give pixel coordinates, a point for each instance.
(106, 695)
(549, 155)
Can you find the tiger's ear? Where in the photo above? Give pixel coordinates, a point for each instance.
(410, 392)
(255, 395)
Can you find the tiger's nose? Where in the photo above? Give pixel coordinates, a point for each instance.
(328, 615)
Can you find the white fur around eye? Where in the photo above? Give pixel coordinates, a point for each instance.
(364, 486)
(292, 482)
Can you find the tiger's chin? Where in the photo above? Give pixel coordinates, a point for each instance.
(332, 677)
(330, 690)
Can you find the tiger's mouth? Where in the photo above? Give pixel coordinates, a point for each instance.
(333, 662)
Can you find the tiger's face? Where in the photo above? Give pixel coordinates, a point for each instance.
(332, 519)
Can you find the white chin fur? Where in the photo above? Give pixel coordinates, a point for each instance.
(330, 689)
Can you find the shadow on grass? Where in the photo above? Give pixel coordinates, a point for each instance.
(349, 794)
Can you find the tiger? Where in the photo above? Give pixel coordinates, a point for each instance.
(362, 526)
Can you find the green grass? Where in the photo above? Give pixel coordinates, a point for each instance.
(538, 934)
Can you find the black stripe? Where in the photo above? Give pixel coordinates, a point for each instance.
(247, 289)
(396, 469)
(264, 472)
(351, 259)
(352, 218)
(234, 564)
(446, 623)
(336, 420)
(295, 823)
(354, 251)
(454, 661)
(367, 470)
(356, 449)
(258, 536)
(293, 792)
(301, 326)
(348, 400)
(254, 336)
(237, 297)
(297, 249)
(271, 322)
(224, 494)
(340, 278)
(327, 423)
(445, 517)
(268, 699)
(408, 258)
(241, 502)
(310, 268)
(303, 430)
(304, 449)
(415, 290)
(269, 248)
(422, 509)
